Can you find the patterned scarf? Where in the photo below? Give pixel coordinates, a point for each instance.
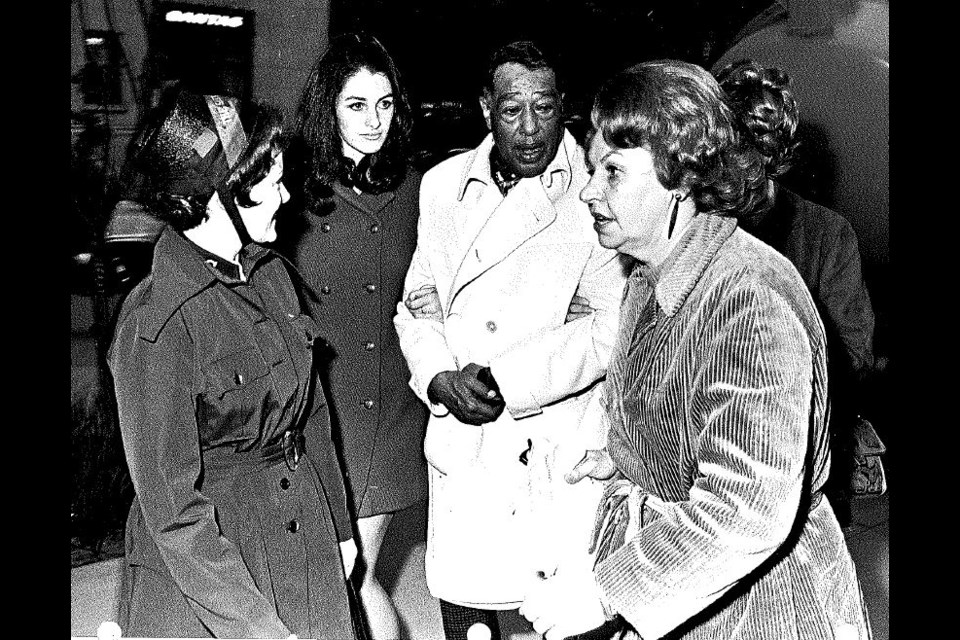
(503, 176)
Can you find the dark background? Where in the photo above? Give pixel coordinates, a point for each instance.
(441, 47)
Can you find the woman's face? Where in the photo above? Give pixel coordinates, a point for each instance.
(629, 206)
(261, 219)
(364, 113)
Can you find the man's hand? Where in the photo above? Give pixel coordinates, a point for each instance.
(579, 308)
(424, 303)
(468, 399)
(596, 464)
(348, 555)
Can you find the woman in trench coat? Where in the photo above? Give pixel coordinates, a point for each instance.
(239, 528)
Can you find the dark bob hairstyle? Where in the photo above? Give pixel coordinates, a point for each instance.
(317, 118)
(180, 155)
(677, 112)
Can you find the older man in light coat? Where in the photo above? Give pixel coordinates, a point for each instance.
(506, 244)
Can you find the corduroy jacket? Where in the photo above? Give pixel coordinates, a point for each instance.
(717, 404)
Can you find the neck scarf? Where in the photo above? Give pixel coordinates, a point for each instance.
(503, 176)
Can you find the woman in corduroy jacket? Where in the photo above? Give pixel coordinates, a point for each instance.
(355, 237)
(714, 523)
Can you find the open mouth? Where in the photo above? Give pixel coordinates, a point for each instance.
(530, 153)
(599, 218)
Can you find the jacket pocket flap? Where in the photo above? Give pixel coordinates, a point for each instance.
(236, 370)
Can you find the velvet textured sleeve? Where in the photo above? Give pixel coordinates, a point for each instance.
(748, 374)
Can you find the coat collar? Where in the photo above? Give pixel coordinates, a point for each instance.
(368, 203)
(179, 273)
(685, 265)
(478, 168)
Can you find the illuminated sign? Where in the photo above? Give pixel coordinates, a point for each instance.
(213, 19)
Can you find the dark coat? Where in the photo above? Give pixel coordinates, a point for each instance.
(354, 252)
(822, 245)
(224, 538)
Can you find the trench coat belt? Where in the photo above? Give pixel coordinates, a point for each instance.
(289, 448)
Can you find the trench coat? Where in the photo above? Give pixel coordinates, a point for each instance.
(354, 252)
(226, 538)
(506, 269)
(716, 398)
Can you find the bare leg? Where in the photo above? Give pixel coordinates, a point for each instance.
(382, 617)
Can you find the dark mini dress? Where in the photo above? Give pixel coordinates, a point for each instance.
(240, 500)
(353, 251)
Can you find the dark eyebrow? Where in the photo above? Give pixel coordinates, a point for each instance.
(383, 97)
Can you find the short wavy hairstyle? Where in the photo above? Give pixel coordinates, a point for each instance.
(317, 125)
(763, 100)
(677, 112)
(179, 183)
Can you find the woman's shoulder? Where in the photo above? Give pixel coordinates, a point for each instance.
(746, 261)
(411, 180)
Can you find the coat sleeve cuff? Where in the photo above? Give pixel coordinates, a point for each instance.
(519, 404)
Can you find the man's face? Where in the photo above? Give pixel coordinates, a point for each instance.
(524, 112)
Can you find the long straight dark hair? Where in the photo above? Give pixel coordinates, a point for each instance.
(317, 126)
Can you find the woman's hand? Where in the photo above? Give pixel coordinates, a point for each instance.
(579, 308)
(424, 303)
(567, 603)
(596, 464)
(348, 555)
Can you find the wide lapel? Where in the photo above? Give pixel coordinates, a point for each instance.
(524, 213)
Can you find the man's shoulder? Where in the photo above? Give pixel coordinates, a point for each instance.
(453, 164)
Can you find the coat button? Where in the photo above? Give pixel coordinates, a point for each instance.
(368, 404)
(325, 289)
(491, 326)
(284, 484)
(370, 287)
(325, 227)
(375, 228)
(368, 346)
(293, 526)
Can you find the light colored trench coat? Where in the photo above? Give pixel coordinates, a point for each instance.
(506, 270)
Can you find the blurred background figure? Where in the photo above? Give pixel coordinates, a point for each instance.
(822, 246)
(352, 237)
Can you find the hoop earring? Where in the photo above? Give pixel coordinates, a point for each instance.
(676, 197)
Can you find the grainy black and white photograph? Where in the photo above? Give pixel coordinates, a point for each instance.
(480, 319)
